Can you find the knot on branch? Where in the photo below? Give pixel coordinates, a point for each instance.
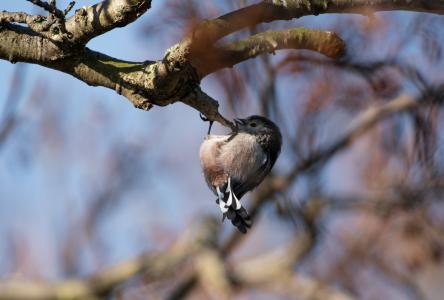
(332, 45)
(53, 26)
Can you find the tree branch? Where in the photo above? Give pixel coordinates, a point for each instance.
(226, 55)
(91, 21)
(102, 283)
(51, 8)
(177, 76)
(207, 33)
(144, 84)
(15, 17)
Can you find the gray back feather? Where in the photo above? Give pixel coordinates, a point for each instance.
(245, 162)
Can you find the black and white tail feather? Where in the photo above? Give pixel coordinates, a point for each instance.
(231, 207)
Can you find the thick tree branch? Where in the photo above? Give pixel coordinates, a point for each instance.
(18, 43)
(176, 77)
(87, 22)
(91, 21)
(21, 44)
(226, 55)
(143, 83)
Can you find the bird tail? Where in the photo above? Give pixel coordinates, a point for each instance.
(239, 218)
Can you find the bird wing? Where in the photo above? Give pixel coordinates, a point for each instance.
(245, 162)
(241, 187)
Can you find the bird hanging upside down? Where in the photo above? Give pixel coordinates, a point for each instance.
(236, 163)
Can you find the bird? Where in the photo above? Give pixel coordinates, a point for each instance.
(236, 163)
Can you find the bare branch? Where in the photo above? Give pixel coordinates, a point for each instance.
(227, 55)
(175, 78)
(142, 83)
(15, 17)
(51, 7)
(38, 24)
(53, 26)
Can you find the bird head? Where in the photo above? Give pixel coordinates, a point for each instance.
(256, 125)
(266, 132)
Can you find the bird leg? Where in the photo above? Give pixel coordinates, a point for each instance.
(205, 119)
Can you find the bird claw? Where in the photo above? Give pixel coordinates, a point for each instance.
(203, 117)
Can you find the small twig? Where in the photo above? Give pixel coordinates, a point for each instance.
(49, 7)
(68, 8)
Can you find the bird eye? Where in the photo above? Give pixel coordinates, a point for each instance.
(253, 124)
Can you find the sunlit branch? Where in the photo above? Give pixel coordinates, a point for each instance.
(91, 21)
(268, 11)
(228, 54)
